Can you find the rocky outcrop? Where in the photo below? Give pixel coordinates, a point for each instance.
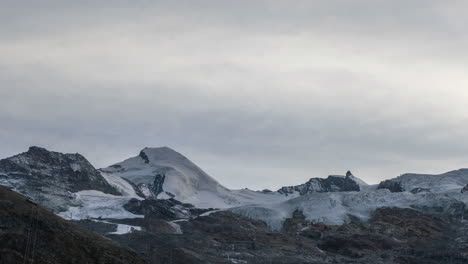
(392, 185)
(143, 156)
(330, 184)
(464, 189)
(50, 178)
(31, 234)
(157, 186)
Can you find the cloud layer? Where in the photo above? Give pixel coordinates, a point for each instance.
(258, 93)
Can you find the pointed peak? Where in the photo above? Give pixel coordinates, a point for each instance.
(160, 153)
(356, 179)
(36, 149)
(158, 149)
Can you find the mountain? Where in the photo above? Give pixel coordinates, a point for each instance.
(31, 234)
(50, 178)
(70, 186)
(163, 173)
(163, 206)
(334, 183)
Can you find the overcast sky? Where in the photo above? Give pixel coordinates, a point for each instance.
(259, 94)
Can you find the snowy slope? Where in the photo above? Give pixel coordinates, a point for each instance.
(69, 185)
(182, 178)
(190, 184)
(91, 204)
(443, 195)
(166, 173)
(123, 186)
(335, 208)
(96, 204)
(452, 181)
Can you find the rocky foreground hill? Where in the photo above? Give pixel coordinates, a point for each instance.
(165, 209)
(32, 234)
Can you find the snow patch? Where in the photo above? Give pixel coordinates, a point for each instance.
(123, 186)
(96, 204)
(452, 181)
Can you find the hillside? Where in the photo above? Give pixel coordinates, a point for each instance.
(31, 234)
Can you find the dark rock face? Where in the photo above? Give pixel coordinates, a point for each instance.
(464, 189)
(50, 178)
(330, 184)
(393, 186)
(169, 209)
(157, 186)
(144, 156)
(31, 234)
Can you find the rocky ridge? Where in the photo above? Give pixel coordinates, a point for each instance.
(50, 178)
(333, 183)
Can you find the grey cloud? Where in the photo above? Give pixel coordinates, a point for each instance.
(258, 93)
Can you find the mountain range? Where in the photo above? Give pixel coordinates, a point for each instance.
(166, 209)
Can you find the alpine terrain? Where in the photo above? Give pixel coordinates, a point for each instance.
(159, 207)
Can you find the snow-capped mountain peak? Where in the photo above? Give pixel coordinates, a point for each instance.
(165, 173)
(69, 184)
(160, 154)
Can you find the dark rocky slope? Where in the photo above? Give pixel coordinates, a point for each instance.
(392, 185)
(221, 237)
(31, 234)
(49, 178)
(392, 235)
